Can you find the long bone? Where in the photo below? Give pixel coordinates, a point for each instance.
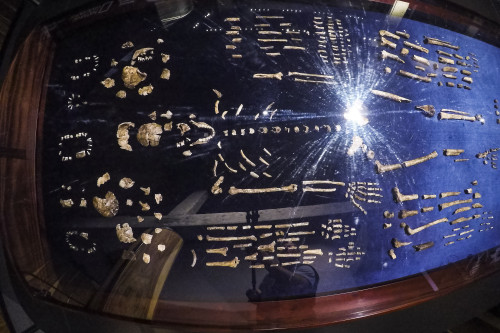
(415, 76)
(465, 219)
(424, 246)
(230, 238)
(419, 160)
(444, 60)
(277, 76)
(206, 126)
(403, 34)
(387, 55)
(390, 96)
(222, 250)
(385, 33)
(435, 41)
(448, 194)
(399, 197)
(308, 74)
(397, 244)
(385, 42)
(452, 152)
(453, 203)
(231, 263)
(421, 60)
(411, 231)
(267, 247)
(450, 116)
(416, 47)
(407, 213)
(290, 188)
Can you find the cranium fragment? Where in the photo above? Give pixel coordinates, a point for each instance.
(107, 207)
(125, 233)
(132, 76)
(149, 134)
(122, 135)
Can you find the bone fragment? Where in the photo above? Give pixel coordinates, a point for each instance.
(231, 263)
(421, 69)
(397, 244)
(453, 203)
(465, 219)
(450, 84)
(246, 158)
(289, 47)
(386, 42)
(312, 81)
(146, 238)
(392, 254)
(254, 175)
(428, 110)
(444, 53)
(404, 51)
(267, 247)
(403, 34)
(385, 33)
(230, 238)
(311, 75)
(290, 188)
(414, 76)
(388, 215)
(476, 195)
(465, 72)
(448, 194)
(452, 152)
(435, 41)
(477, 205)
(449, 76)
(273, 40)
(236, 56)
(416, 47)
(407, 213)
(165, 74)
(388, 70)
(146, 258)
(125, 233)
(242, 246)
(107, 207)
(426, 209)
(421, 60)
(390, 96)
(103, 179)
(317, 252)
(462, 209)
(419, 160)
(269, 17)
(467, 79)
(398, 197)
(387, 55)
(444, 60)
(423, 246)
(216, 187)
(158, 216)
(316, 182)
(387, 225)
(222, 251)
(449, 69)
(277, 76)
(450, 116)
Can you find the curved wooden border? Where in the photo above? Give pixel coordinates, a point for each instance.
(22, 98)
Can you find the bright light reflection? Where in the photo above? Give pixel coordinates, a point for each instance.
(354, 113)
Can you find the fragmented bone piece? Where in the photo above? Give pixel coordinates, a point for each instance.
(390, 96)
(231, 263)
(158, 216)
(140, 219)
(126, 183)
(399, 197)
(149, 134)
(392, 254)
(387, 55)
(387, 225)
(419, 160)
(158, 198)
(165, 74)
(290, 188)
(132, 76)
(404, 51)
(476, 195)
(246, 158)
(453, 203)
(66, 203)
(108, 83)
(462, 209)
(146, 190)
(230, 238)
(381, 168)
(403, 34)
(421, 60)
(385, 42)
(449, 76)
(444, 53)
(416, 47)
(385, 33)
(411, 231)
(161, 247)
(222, 251)
(146, 238)
(107, 207)
(467, 79)
(415, 76)
(146, 90)
(83, 203)
(444, 60)
(407, 213)
(466, 72)
(477, 205)
(427, 209)
(387, 70)
(125, 233)
(428, 110)
(388, 215)
(144, 205)
(450, 116)
(452, 152)
(464, 219)
(435, 41)
(103, 179)
(450, 84)
(448, 194)
(216, 187)
(423, 246)
(421, 69)
(165, 57)
(397, 244)
(146, 258)
(449, 69)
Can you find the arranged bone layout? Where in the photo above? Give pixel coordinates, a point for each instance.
(91, 248)
(381, 168)
(390, 96)
(92, 60)
(107, 206)
(345, 255)
(488, 156)
(364, 192)
(86, 151)
(335, 229)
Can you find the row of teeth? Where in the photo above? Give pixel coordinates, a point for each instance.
(141, 59)
(79, 60)
(77, 135)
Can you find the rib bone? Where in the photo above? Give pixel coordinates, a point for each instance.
(390, 96)
(435, 41)
(290, 188)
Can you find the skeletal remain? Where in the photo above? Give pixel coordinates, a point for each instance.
(421, 60)
(407, 213)
(404, 51)
(146, 258)
(444, 60)
(149, 134)
(465, 219)
(414, 76)
(428, 110)
(449, 69)
(277, 76)
(411, 231)
(397, 244)
(165, 57)
(317, 252)
(462, 209)
(216, 187)
(108, 83)
(132, 76)
(66, 203)
(466, 72)
(83, 203)
(448, 194)
(290, 188)
(146, 238)
(107, 207)
(121, 94)
(140, 219)
(477, 205)
(449, 76)
(390, 96)
(455, 111)
(355, 145)
(387, 225)
(231, 263)
(453, 203)
(435, 41)
(421, 69)
(476, 195)
(269, 17)
(427, 209)
(165, 74)
(450, 84)
(125, 233)
(450, 116)
(388, 215)
(103, 179)
(158, 216)
(399, 197)
(230, 239)
(311, 75)
(419, 160)
(452, 152)
(242, 246)
(126, 183)
(392, 254)
(291, 225)
(222, 251)
(444, 53)
(423, 246)
(387, 70)
(467, 79)
(385, 42)
(416, 47)
(144, 205)
(385, 33)
(267, 247)
(289, 47)
(387, 55)
(146, 190)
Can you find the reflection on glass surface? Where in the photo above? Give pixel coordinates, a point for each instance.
(248, 153)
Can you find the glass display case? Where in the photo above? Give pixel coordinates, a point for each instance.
(251, 165)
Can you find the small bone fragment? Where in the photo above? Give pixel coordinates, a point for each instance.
(107, 207)
(140, 219)
(66, 203)
(309, 74)
(474, 182)
(216, 187)
(462, 209)
(421, 60)
(161, 247)
(403, 34)
(423, 246)
(465, 72)
(103, 179)
(267, 247)
(397, 244)
(416, 47)
(385, 33)
(108, 83)
(388, 215)
(125, 233)
(121, 94)
(453, 203)
(449, 76)
(290, 263)
(146, 238)
(387, 55)
(149, 134)
(387, 70)
(290, 188)
(269, 32)
(428, 110)
(146, 190)
(158, 230)
(450, 84)
(289, 47)
(390, 96)
(83, 203)
(387, 225)
(263, 226)
(158, 216)
(444, 60)
(435, 41)
(231, 263)
(246, 158)
(450, 116)
(381, 168)
(126, 183)
(242, 246)
(385, 42)
(165, 74)
(467, 79)
(398, 197)
(392, 254)
(407, 213)
(468, 191)
(230, 239)
(461, 160)
(415, 76)
(452, 152)
(127, 45)
(132, 76)
(165, 58)
(272, 40)
(269, 17)
(277, 76)
(232, 19)
(449, 69)
(421, 69)
(404, 51)
(464, 219)
(291, 225)
(146, 258)
(426, 209)
(448, 194)
(253, 174)
(476, 195)
(419, 160)
(158, 198)
(222, 250)
(145, 206)
(477, 205)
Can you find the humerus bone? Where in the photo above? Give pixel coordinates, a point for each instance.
(222, 250)
(387, 55)
(231, 263)
(399, 197)
(230, 238)
(290, 188)
(452, 152)
(390, 96)
(385, 33)
(407, 213)
(450, 116)
(397, 244)
(416, 47)
(423, 246)
(453, 203)
(414, 76)
(448, 194)
(435, 41)
(277, 76)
